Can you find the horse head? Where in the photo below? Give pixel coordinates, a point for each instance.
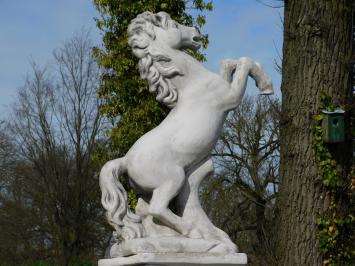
(149, 36)
(163, 30)
(175, 35)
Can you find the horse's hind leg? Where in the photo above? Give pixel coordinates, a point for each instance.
(161, 198)
(192, 209)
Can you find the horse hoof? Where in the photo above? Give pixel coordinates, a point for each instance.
(266, 87)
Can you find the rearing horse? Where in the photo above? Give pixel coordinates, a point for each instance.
(172, 159)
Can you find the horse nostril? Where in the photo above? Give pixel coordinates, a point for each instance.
(197, 38)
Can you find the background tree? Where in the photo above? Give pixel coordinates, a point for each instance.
(317, 57)
(124, 93)
(7, 158)
(6, 154)
(240, 196)
(54, 199)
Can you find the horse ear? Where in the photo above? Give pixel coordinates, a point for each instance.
(162, 19)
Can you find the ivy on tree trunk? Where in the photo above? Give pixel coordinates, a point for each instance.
(316, 60)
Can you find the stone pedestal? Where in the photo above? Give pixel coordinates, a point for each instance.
(183, 259)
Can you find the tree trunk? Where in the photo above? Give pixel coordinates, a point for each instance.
(316, 59)
(260, 224)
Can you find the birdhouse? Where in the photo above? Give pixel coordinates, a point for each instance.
(333, 126)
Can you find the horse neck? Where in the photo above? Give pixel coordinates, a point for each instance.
(192, 69)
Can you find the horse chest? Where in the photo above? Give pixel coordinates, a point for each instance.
(196, 133)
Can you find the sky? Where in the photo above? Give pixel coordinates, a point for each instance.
(31, 30)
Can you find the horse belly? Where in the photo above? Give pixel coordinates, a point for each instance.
(180, 141)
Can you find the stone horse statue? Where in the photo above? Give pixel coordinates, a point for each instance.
(171, 160)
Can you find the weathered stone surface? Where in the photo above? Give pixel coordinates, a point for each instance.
(170, 245)
(178, 259)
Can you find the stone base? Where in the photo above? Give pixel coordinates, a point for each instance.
(184, 259)
(170, 245)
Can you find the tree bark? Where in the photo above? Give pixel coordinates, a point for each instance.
(316, 59)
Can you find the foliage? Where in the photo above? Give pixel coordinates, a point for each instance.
(124, 93)
(327, 165)
(336, 230)
(335, 239)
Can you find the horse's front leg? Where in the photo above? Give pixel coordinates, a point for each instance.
(236, 73)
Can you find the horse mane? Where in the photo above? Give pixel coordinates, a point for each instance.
(151, 61)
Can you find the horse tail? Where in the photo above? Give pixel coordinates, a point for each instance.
(114, 199)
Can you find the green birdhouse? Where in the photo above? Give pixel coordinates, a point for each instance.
(333, 126)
